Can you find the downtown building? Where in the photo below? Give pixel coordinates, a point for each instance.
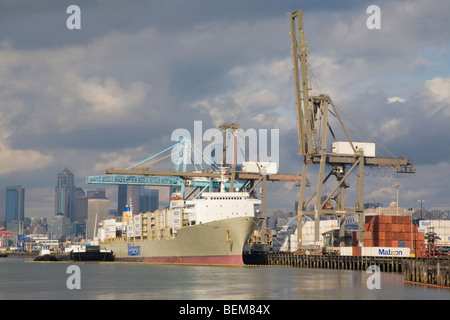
(65, 192)
(12, 208)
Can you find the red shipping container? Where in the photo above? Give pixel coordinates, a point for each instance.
(387, 243)
(356, 251)
(371, 219)
(395, 243)
(384, 235)
(355, 236)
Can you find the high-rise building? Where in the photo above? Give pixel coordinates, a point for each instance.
(121, 198)
(98, 210)
(59, 227)
(80, 215)
(65, 192)
(127, 194)
(12, 204)
(149, 200)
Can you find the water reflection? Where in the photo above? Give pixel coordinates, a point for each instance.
(20, 280)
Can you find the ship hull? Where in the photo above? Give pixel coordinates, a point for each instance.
(214, 243)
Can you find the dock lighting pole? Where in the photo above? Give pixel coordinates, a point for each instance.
(421, 208)
(397, 185)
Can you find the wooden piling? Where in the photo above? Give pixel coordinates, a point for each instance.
(428, 271)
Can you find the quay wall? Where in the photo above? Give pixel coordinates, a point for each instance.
(432, 271)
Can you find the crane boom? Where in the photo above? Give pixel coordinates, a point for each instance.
(300, 54)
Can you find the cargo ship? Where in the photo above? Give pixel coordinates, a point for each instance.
(209, 230)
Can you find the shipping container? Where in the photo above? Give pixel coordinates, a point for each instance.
(344, 147)
(385, 251)
(346, 251)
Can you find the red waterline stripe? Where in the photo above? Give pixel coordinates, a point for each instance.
(202, 260)
(427, 284)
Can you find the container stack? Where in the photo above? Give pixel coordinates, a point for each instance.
(393, 231)
(440, 227)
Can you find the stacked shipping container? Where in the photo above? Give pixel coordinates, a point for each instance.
(393, 231)
(440, 227)
(288, 242)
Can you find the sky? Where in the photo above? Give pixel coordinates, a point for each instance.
(110, 94)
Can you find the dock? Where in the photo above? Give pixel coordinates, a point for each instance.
(434, 272)
(431, 271)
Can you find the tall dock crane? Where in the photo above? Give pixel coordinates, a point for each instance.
(346, 157)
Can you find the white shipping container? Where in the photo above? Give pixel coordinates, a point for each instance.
(109, 222)
(130, 231)
(385, 252)
(263, 167)
(344, 147)
(424, 223)
(346, 251)
(177, 203)
(109, 235)
(110, 229)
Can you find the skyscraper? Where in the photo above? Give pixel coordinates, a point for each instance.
(127, 194)
(149, 200)
(12, 204)
(65, 191)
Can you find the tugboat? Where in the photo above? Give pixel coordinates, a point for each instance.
(78, 253)
(90, 253)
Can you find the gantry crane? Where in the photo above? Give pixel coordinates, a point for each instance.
(225, 176)
(313, 126)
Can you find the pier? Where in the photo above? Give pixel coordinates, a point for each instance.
(432, 271)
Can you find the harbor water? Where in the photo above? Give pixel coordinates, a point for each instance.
(25, 279)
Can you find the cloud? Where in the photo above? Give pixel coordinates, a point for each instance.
(396, 99)
(438, 91)
(254, 91)
(22, 160)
